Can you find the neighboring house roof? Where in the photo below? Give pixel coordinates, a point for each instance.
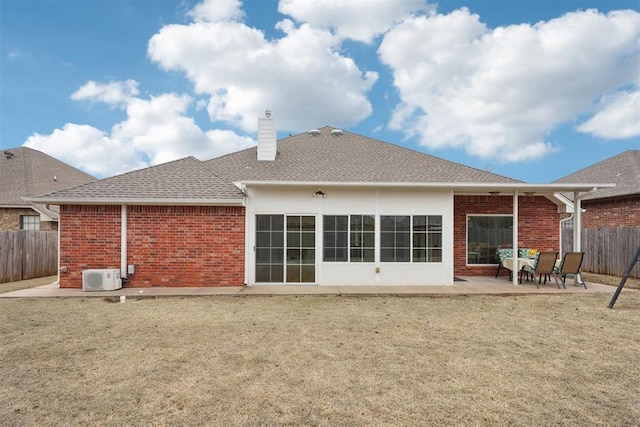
(622, 170)
(186, 180)
(346, 157)
(25, 172)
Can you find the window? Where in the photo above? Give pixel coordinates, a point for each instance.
(336, 235)
(30, 222)
(415, 238)
(362, 238)
(427, 238)
(395, 238)
(485, 234)
(269, 248)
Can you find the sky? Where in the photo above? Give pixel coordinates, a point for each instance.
(529, 89)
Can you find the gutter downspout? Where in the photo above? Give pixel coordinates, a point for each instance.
(577, 222)
(123, 241)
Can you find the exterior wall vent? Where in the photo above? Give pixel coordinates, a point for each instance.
(314, 132)
(337, 132)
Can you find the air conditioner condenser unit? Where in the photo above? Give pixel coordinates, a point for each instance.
(101, 280)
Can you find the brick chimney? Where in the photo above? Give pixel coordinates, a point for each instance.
(267, 142)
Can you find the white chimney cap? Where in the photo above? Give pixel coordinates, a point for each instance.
(267, 113)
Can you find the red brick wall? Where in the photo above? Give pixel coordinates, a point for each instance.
(186, 245)
(89, 238)
(614, 213)
(538, 225)
(169, 245)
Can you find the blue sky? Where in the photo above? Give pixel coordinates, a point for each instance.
(534, 90)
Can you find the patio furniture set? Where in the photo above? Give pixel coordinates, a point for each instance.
(532, 264)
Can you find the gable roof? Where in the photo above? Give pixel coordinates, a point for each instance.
(186, 181)
(25, 172)
(346, 157)
(622, 169)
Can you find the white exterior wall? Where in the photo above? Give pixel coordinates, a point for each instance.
(366, 201)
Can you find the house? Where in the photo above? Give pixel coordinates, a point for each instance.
(322, 207)
(611, 207)
(610, 222)
(25, 172)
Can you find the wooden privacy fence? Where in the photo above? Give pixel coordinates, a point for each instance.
(608, 250)
(26, 254)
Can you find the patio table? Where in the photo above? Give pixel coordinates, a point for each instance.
(508, 263)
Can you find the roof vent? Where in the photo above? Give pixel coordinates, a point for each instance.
(314, 132)
(337, 132)
(8, 155)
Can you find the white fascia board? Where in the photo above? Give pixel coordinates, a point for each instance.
(157, 202)
(470, 187)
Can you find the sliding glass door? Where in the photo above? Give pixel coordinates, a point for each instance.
(299, 265)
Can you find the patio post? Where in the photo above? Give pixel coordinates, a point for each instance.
(577, 222)
(515, 239)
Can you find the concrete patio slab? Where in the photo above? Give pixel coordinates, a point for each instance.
(471, 285)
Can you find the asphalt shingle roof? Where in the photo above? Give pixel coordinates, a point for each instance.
(31, 172)
(622, 170)
(185, 179)
(348, 157)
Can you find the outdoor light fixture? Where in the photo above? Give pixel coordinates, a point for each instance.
(320, 193)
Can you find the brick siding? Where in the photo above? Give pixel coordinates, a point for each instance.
(169, 245)
(10, 219)
(611, 213)
(538, 226)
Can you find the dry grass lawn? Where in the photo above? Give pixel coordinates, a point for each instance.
(480, 360)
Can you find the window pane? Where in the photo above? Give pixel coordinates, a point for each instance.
(263, 255)
(293, 223)
(277, 222)
(308, 256)
(419, 255)
(263, 238)
(293, 239)
(484, 235)
(293, 273)
(403, 240)
(387, 255)
(308, 223)
(369, 223)
(342, 223)
(277, 239)
(420, 240)
(387, 223)
(329, 222)
(403, 255)
(368, 255)
(419, 223)
(387, 240)
(308, 273)
(403, 223)
(435, 255)
(308, 240)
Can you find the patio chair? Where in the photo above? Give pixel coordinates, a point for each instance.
(570, 266)
(503, 252)
(544, 265)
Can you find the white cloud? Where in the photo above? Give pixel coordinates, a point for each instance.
(217, 10)
(360, 20)
(156, 130)
(112, 93)
(499, 92)
(87, 148)
(618, 117)
(302, 77)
